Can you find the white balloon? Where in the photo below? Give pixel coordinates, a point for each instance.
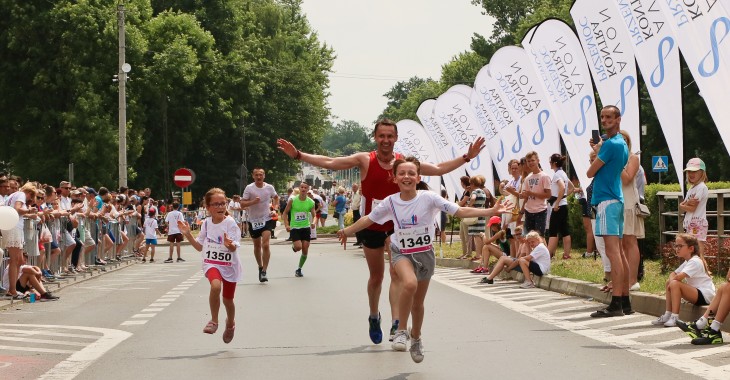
(8, 218)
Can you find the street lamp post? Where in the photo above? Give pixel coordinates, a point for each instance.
(124, 68)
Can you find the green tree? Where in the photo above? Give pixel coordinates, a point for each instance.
(345, 138)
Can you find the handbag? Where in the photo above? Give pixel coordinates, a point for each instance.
(45, 235)
(642, 210)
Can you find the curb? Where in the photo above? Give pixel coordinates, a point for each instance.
(641, 302)
(73, 280)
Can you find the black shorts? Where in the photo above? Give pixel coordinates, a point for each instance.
(374, 239)
(20, 288)
(559, 222)
(175, 238)
(255, 234)
(300, 234)
(585, 208)
(533, 268)
(701, 301)
(535, 222)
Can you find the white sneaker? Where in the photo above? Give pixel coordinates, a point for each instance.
(417, 350)
(672, 322)
(400, 341)
(527, 285)
(661, 320)
(635, 287)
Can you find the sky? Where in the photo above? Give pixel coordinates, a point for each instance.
(381, 42)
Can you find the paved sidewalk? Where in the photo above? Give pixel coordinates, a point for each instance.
(54, 287)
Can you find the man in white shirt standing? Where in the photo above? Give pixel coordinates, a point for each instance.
(258, 198)
(355, 204)
(174, 236)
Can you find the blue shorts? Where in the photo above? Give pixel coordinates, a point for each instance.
(609, 218)
(150, 241)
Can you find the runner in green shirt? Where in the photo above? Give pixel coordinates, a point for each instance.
(299, 217)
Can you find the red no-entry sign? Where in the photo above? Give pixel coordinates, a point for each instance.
(184, 177)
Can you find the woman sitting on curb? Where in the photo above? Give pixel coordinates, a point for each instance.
(706, 330)
(537, 262)
(495, 246)
(698, 289)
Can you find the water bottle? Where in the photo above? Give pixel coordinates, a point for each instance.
(32, 297)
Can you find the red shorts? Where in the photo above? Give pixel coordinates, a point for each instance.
(229, 288)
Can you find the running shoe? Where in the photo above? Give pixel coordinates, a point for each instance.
(711, 337)
(400, 341)
(228, 334)
(298, 272)
(486, 280)
(672, 322)
(168, 260)
(393, 329)
(527, 285)
(690, 328)
(661, 320)
(47, 296)
(210, 328)
(376, 334)
(263, 277)
(417, 350)
(261, 271)
(180, 260)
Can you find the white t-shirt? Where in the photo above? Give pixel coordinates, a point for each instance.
(64, 203)
(413, 220)
(560, 174)
(171, 219)
(215, 254)
(259, 212)
(15, 197)
(541, 256)
(697, 277)
(235, 209)
(150, 227)
(699, 215)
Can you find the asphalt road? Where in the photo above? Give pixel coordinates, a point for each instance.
(146, 321)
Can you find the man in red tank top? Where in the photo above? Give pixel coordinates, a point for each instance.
(376, 171)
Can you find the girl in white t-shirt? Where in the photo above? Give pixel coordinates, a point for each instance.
(218, 241)
(695, 203)
(412, 257)
(699, 288)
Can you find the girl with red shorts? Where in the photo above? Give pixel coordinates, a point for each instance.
(218, 241)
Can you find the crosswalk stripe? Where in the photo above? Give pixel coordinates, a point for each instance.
(42, 341)
(48, 333)
(36, 349)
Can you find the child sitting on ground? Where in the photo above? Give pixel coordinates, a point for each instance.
(536, 262)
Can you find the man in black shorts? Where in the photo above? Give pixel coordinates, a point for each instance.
(299, 217)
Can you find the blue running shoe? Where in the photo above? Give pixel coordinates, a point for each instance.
(376, 334)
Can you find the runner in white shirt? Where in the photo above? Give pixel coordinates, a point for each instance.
(174, 237)
(413, 213)
(218, 241)
(257, 197)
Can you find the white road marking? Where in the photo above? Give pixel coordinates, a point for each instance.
(46, 333)
(684, 362)
(135, 322)
(146, 315)
(42, 341)
(150, 309)
(158, 304)
(36, 349)
(79, 360)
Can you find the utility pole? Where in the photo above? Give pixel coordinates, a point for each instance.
(122, 77)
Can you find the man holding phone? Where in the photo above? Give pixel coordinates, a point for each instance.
(613, 154)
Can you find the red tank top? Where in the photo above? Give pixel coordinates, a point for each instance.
(377, 186)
